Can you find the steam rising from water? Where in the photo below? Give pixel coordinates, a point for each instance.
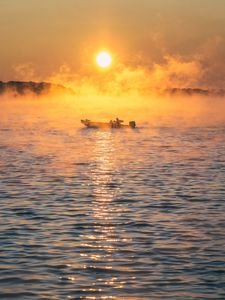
(129, 93)
(146, 110)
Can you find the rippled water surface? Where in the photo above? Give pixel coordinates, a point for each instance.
(92, 214)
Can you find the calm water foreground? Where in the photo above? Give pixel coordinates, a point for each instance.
(91, 214)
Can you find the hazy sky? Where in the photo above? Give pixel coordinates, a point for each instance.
(46, 34)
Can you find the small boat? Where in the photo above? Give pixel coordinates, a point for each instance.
(111, 124)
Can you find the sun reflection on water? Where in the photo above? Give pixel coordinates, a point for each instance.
(103, 241)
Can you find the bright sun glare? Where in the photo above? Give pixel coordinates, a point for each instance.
(104, 59)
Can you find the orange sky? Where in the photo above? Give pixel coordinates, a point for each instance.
(38, 37)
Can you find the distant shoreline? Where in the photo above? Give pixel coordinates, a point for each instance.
(22, 88)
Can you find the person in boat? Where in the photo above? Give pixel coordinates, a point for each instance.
(118, 123)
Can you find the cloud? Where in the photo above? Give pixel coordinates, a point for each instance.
(203, 69)
(212, 58)
(176, 72)
(64, 75)
(25, 71)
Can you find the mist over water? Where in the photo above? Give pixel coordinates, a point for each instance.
(150, 109)
(112, 214)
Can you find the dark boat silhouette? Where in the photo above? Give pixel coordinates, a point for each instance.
(111, 124)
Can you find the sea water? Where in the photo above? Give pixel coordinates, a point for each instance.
(111, 214)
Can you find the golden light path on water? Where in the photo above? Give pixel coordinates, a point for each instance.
(104, 240)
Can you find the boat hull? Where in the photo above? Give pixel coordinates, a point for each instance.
(90, 124)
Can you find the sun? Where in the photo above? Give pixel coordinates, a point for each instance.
(104, 59)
